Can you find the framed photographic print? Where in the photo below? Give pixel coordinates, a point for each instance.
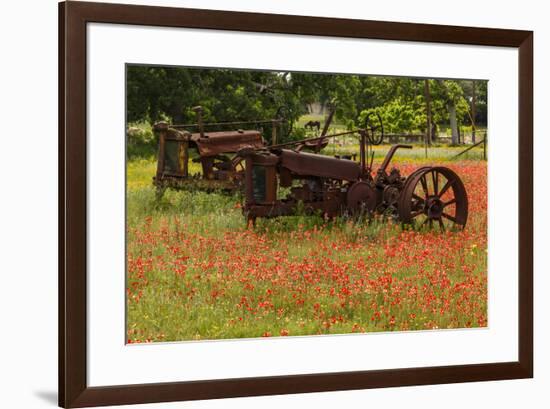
(257, 204)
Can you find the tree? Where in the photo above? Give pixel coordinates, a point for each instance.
(451, 95)
(170, 93)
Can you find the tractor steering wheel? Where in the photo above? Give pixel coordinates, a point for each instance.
(374, 128)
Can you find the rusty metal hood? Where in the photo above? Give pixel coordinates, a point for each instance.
(310, 164)
(215, 143)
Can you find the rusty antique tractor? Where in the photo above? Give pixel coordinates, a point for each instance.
(429, 196)
(215, 151)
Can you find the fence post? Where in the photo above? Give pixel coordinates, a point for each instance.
(427, 97)
(274, 126)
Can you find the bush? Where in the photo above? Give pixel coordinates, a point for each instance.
(140, 140)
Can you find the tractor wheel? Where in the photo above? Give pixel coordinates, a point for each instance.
(434, 195)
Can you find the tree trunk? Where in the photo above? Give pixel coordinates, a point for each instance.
(454, 125)
(434, 132)
(428, 99)
(176, 112)
(473, 112)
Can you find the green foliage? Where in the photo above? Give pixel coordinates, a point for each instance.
(140, 140)
(170, 93)
(298, 133)
(398, 116)
(401, 102)
(225, 95)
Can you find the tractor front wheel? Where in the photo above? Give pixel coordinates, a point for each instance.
(434, 196)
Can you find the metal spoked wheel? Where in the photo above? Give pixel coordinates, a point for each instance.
(434, 196)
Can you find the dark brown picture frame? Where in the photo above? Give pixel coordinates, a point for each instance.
(73, 388)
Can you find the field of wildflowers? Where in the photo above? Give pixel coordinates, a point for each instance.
(196, 271)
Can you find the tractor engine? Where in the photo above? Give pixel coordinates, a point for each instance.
(329, 186)
(389, 187)
(323, 186)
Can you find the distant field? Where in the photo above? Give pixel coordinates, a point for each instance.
(335, 126)
(440, 153)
